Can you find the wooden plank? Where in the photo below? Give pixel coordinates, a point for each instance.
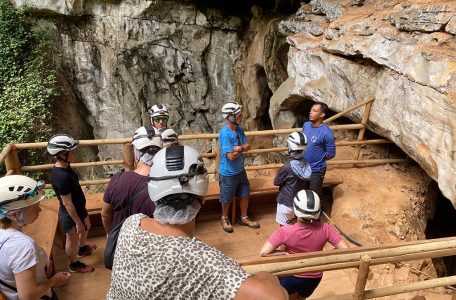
(44, 228)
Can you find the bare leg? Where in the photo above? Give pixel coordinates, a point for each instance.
(71, 245)
(244, 205)
(225, 209)
(83, 236)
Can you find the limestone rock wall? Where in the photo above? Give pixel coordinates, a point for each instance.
(403, 54)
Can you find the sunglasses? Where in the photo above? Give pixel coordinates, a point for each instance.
(160, 119)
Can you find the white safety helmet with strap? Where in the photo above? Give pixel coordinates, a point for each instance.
(169, 137)
(158, 110)
(175, 170)
(146, 136)
(306, 205)
(296, 141)
(19, 191)
(230, 108)
(61, 143)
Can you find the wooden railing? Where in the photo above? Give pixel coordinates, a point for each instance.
(361, 258)
(9, 155)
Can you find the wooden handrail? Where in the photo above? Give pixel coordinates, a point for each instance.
(73, 165)
(336, 116)
(5, 152)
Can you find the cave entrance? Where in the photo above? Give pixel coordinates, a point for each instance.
(442, 224)
(263, 121)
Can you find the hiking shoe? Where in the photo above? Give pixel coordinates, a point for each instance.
(245, 221)
(226, 225)
(86, 250)
(80, 267)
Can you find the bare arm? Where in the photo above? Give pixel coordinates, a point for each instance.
(246, 147)
(106, 216)
(262, 286)
(235, 154)
(29, 289)
(269, 250)
(342, 245)
(66, 199)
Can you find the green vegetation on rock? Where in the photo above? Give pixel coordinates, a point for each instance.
(27, 79)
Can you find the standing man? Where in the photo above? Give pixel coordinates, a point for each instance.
(320, 146)
(232, 176)
(73, 216)
(159, 116)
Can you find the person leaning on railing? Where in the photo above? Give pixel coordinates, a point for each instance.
(308, 234)
(24, 266)
(160, 258)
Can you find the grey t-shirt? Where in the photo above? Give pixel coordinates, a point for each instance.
(18, 253)
(151, 266)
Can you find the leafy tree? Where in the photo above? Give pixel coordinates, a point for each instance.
(27, 79)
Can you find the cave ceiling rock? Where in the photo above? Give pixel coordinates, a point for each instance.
(414, 110)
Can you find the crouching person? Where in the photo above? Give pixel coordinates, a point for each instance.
(160, 258)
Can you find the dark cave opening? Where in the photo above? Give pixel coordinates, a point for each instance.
(441, 223)
(263, 121)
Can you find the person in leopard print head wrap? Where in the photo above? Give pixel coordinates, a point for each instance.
(160, 258)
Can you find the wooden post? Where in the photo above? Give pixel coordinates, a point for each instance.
(12, 161)
(129, 157)
(363, 272)
(363, 129)
(217, 159)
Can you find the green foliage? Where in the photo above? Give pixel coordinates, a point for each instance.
(27, 79)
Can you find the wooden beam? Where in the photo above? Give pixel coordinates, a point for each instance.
(73, 165)
(5, 152)
(12, 161)
(327, 258)
(336, 116)
(363, 272)
(361, 132)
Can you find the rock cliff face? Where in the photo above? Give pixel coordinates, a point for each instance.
(123, 56)
(403, 54)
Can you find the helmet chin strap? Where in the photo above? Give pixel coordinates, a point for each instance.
(64, 159)
(232, 119)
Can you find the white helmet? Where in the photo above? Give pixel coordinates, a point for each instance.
(158, 110)
(61, 142)
(19, 191)
(230, 108)
(296, 141)
(175, 170)
(169, 137)
(145, 137)
(306, 205)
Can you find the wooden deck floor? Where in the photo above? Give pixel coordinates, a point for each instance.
(243, 243)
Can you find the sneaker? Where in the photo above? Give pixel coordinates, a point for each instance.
(86, 250)
(226, 225)
(80, 267)
(245, 221)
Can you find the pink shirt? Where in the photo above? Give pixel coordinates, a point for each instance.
(308, 237)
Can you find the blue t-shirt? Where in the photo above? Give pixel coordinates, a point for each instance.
(320, 145)
(228, 139)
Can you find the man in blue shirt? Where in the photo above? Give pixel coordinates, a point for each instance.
(232, 176)
(320, 145)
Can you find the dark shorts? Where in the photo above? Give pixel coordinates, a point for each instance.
(304, 286)
(236, 185)
(316, 182)
(67, 222)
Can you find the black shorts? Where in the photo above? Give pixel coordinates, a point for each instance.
(67, 222)
(304, 286)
